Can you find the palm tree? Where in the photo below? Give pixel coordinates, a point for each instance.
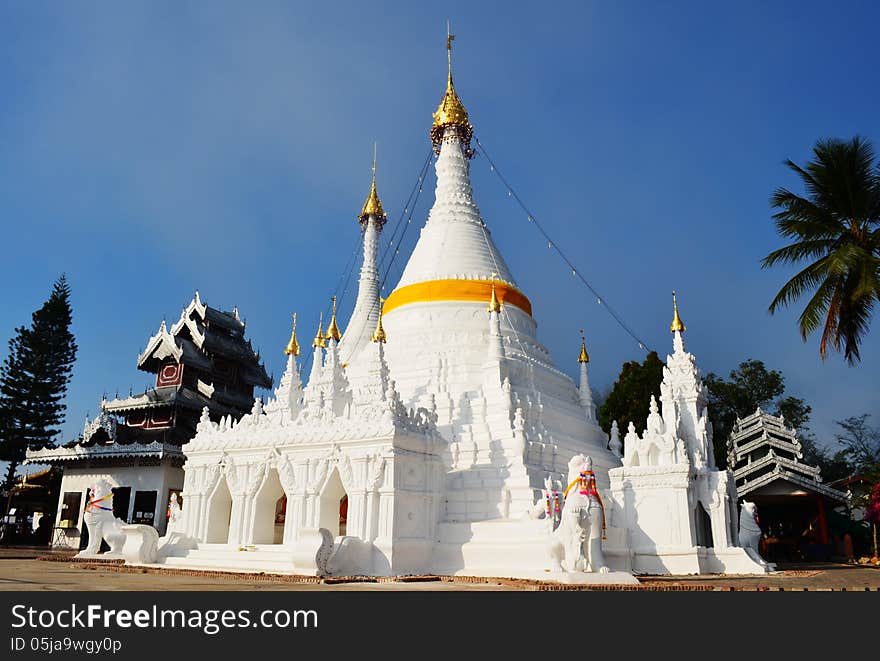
(837, 226)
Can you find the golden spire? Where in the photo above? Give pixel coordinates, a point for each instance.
(292, 347)
(451, 111)
(676, 324)
(333, 330)
(319, 336)
(494, 303)
(373, 206)
(379, 333)
(584, 357)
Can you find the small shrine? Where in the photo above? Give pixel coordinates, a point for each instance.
(792, 502)
(202, 362)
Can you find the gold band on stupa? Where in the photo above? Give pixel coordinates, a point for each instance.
(457, 290)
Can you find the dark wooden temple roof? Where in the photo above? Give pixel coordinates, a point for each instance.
(199, 337)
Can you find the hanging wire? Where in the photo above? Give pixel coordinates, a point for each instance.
(399, 226)
(554, 246)
(408, 212)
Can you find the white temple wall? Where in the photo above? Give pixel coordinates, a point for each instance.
(79, 479)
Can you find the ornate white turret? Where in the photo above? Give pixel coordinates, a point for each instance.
(697, 506)
(333, 381)
(614, 443)
(318, 344)
(496, 341)
(366, 311)
(585, 393)
(685, 398)
(289, 394)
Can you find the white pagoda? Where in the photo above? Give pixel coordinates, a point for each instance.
(426, 433)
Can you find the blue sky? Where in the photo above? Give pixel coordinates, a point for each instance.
(149, 149)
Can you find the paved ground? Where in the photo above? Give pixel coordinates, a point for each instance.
(20, 570)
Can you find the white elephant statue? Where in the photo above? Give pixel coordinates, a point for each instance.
(98, 516)
(576, 543)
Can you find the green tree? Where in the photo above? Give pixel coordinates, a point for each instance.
(630, 395)
(836, 228)
(34, 378)
(749, 386)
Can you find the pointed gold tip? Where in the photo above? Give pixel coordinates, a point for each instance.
(333, 329)
(494, 303)
(373, 205)
(677, 324)
(451, 111)
(319, 336)
(583, 357)
(292, 348)
(379, 334)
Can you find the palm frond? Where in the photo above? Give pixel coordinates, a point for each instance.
(806, 279)
(798, 251)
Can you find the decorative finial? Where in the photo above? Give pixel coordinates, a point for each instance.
(451, 111)
(494, 303)
(584, 357)
(292, 348)
(379, 333)
(333, 330)
(373, 206)
(449, 39)
(676, 324)
(319, 336)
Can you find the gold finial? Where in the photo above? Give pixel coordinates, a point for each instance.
(584, 357)
(319, 336)
(494, 303)
(292, 347)
(379, 333)
(676, 324)
(373, 206)
(451, 111)
(333, 330)
(449, 39)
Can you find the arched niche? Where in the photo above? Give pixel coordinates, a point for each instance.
(332, 504)
(268, 529)
(219, 514)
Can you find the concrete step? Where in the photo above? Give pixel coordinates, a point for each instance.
(274, 557)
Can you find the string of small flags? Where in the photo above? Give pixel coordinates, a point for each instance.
(552, 245)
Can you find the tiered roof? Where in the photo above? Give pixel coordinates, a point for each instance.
(223, 370)
(201, 334)
(763, 450)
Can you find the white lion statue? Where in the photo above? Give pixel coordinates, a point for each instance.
(576, 543)
(98, 516)
(749, 530)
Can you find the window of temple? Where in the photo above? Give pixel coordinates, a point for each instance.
(70, 507)
(121, 501)
(144, 511)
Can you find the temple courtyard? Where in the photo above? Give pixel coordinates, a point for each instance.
(21, 569)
